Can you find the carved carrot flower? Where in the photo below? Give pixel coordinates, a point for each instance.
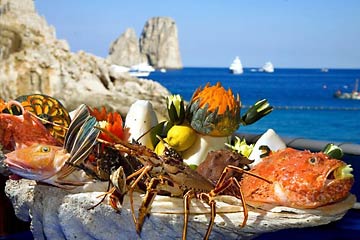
(112, 122)
(214, 111)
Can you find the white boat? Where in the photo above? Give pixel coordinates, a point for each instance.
(236, 66)
(354, 95)
(141, 70)
(268, 67)
(117, 71)
(325, 70)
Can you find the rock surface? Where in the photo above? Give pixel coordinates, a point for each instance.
(158, 46)
(59, 214)
(33, 60)
(125, 50)
(159, 42)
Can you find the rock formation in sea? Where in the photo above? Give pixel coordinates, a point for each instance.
(158, 45)
(33, 60)
(125, 50)
(159, 42)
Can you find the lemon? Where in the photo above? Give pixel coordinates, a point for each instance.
(160, 147)
(181, 137)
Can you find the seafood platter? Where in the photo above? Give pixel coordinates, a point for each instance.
(93, 174)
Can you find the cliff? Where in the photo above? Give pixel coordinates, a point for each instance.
(33, 60)
(158, 45)
(125, 50)
(159, 42)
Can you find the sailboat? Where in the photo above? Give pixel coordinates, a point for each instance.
(268, 67)
(236, 66)
(355, 94)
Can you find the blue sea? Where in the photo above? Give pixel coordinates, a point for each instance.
(304, 106)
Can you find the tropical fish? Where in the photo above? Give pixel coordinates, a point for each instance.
(301, 179)
(52, 164)
(23, 130)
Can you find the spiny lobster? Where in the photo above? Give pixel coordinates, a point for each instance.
(168, 172)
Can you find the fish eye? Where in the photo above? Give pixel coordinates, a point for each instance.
(45, 149)
(312, 160)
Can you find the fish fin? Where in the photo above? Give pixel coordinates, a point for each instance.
(65, 171)
(81, 114)
(84, 141)
(80, 139)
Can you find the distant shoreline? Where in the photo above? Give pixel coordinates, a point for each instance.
(278, 68)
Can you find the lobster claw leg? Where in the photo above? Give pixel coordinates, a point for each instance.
(150, 195)
(187, 198)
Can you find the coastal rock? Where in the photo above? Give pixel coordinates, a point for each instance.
(125, 50)
(20, 26)
(159, 42)
(158, 46)
(33, 60)
(60, 214)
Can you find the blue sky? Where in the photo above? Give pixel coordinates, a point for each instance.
(290, 33)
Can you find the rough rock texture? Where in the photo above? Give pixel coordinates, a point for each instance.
(58, 214)
(34, 61)
(159, 46)
(159, 42)
(20, 27)
(125, 50)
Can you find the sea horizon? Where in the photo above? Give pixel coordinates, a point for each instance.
(303, 99)
(259, 67)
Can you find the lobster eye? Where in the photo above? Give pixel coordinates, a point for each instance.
(312, 160)
(45, 149)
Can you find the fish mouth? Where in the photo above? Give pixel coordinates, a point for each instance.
(13, 165)
(17, 168)
(339, 173)
(20, 170)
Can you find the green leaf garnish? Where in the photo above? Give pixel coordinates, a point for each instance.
(256, 112)
(240, 146)
(333, 151)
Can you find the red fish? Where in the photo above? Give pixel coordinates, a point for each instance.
(301, 179)
(38, 162)
(18, 131)
(53, 164)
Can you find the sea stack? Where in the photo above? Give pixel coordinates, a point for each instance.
(158, 46)
(159, 42)
(125, 50)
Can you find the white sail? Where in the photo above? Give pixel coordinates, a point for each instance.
(236, 66)
(268, 67)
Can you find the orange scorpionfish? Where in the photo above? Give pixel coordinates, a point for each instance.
(301, 179)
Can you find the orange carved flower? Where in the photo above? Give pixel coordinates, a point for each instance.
(214, 111)
(216, 97)
(112, 122)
